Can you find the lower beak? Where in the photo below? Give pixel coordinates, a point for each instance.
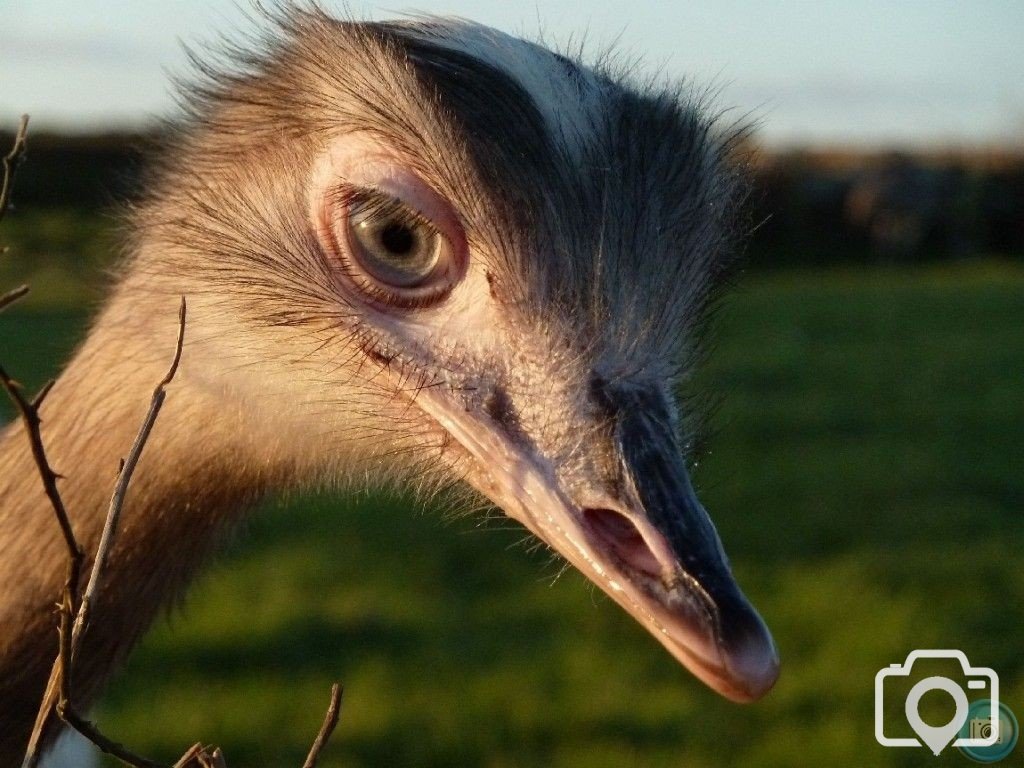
(651, 546)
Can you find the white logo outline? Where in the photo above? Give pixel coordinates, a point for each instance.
(903, 670)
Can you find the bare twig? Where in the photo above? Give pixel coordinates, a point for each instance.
(124, 477)
(74, 613)
(12, 296)
(74, 608)
(201, 757)
(70, 644)
(10, 163)
(68, 714)
(330, 723)
(29, 411)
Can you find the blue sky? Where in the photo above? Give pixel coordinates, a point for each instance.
(873, 71)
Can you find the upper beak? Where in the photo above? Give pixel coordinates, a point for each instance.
(709, 624)
(650, 545)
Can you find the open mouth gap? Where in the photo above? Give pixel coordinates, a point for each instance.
(618, 535)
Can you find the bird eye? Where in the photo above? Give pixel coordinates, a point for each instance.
(394, 244)
(400, 243)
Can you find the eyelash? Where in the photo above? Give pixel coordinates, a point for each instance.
(379, 205)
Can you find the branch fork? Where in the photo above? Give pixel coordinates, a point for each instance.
(58, 701)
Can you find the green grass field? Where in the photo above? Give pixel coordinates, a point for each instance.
(865, 472)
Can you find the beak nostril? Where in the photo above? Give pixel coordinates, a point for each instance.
(619, 534)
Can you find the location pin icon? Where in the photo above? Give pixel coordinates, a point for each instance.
(936, 738)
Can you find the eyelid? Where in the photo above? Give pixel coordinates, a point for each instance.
(392, 178)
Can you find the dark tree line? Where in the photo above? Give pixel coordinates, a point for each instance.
(810, 207)
(894, 207)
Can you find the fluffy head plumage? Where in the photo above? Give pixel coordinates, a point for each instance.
(599, 215)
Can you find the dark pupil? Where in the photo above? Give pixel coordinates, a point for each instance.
(397, 239)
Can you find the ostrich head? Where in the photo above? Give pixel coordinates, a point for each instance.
(429, 249)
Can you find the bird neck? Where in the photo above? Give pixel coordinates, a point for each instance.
(204, 464)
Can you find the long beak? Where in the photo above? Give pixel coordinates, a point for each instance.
(651, 546)
(709, 624)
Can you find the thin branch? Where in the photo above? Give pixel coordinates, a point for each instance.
(330, 723)
(12, 296)
(68, 714)
(201, 757)
(74, 611)
(10, 163)
(124, 478)
(70, 645)
(58, 696)
(29, 411)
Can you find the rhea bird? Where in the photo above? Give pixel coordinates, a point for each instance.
(417, 249)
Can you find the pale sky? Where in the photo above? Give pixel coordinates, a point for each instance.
(830, 71)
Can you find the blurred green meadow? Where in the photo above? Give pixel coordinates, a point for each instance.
(866, 471)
